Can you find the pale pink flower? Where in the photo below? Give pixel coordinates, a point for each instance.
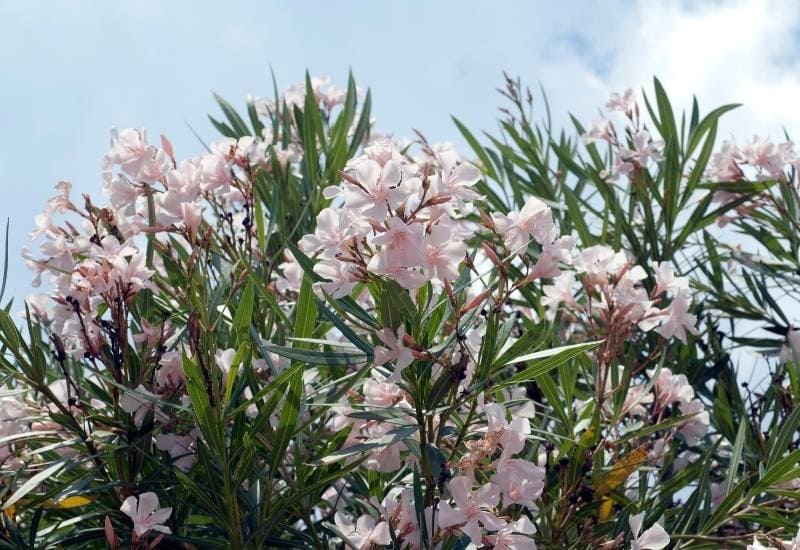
(12, 421)
(401, 243)
(364, 533)
(769, 159)
(378, 189)
(138, 159)
(696, 427)
(657, 452)
(474, 508)
(169, 374)
(645, 149)
(623, 102)
(131, 274)
(340, 277)
(381, 393)
(290, 154)
(511, 436)
(457, 181)
(599, 131)
(724, 167)
(559, 292)
(393, 349)
(635, 400)
(215, 172)
(181, 448)
(138, 403)
(129, 149)
(402, 514)
(60, 203)
(384, 458)
(553, 252)
(329, 234)
(382, 151)
(628, 295)
(192, 216)
(678, 320)
(443, 154)
(600, 261)
(383, 264)
(146, 514)
(520, 481)
(683, 460)
(533, 221)
(153, 334)
(666, 281)
(654, 538)
(120, 191)
(443, 254)
(291, 274)
(672, 388)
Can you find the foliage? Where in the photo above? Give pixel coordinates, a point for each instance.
(312, 335)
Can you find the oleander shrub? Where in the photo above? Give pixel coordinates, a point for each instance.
(317, 335)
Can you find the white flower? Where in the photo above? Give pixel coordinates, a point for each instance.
(666, 281)
(678, 320)
(474, 508)
(393, 350)
(758, 546)
(600, 130)
(139, 405)
(621, 102)
(514, 536)
(146, 514)
(364, 533)
(654, 538)
(533, 221)
(697, 426)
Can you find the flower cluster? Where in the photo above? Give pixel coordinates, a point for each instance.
(759, 159)
(636, 148)
(397, 218)
(612, 286)
(476, 512)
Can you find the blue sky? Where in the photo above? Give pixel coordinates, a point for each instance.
(72, 70)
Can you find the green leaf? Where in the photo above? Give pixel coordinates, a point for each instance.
(547, 360)
(255, 122)
(288, 419)
(394, 303)
(199, 393)
(34, 481)
(786, 433)
(393, 436)
(346, 331)
(312, 357)
(530, 337)
(236, 123)
(244, 311)
(305, 313)
(736, 456)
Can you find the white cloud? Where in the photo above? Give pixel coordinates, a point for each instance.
(732, 52)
